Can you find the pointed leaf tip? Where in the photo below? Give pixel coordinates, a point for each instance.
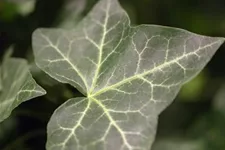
(18, 85)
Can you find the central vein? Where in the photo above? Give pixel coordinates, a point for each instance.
(101, 47)
(157, 68)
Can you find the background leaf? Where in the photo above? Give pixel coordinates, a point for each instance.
(73, 10)
(219, 102)
(18, 85)
(128, 75)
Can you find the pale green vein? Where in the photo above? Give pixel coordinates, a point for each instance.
(67, 60)
(112, 122)
(160, 67)
(101, 47)
(78, 124)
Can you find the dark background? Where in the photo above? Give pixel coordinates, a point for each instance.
(196, 119)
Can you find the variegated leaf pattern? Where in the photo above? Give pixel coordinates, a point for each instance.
(129, 74)
(17, 85)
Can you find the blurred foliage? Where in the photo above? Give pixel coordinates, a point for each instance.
(178, 143)
(7, 127)
(195, 121)
(206, 133)
(219, 101)
(210, 129)
(193, 89)
(9, 9)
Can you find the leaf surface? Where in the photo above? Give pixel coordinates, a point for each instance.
(129, 74)
(72, 12)
(17, 85)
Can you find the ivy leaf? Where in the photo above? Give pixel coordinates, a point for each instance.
(128, 74)
(17, 85)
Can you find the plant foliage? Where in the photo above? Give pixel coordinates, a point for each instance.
(127, 74)
(17, 85)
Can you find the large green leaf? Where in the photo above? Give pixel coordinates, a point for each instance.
(127, 74)
(17, 85)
